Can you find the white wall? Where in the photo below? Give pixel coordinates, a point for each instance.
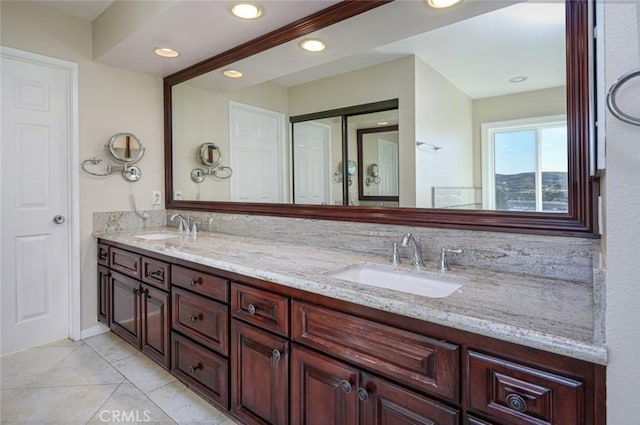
(110, 101)
(622, 244)
(201, 116)
(444, 118)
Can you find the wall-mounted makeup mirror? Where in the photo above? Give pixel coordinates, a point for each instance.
(123, 148)
(210, 156)
(476, 71)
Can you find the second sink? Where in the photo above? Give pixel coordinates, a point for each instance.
(399, 280)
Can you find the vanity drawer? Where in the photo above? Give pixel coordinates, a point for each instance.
(202, 283)
(103, 254)
(125, 262)
(518, 394)
(201, 319)
(413, 359)
(156, 273)
(261, 308)
(202, 370)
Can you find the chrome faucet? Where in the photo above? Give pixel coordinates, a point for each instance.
(185, 222)
(417, 259)
(443, 264)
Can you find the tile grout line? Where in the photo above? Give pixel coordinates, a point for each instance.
(36, 378)
(134, 385)
(105, 402)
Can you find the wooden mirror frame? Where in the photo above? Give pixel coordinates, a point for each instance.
(363, 172)
(580, 221)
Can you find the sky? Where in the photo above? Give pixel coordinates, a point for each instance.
(515, 150)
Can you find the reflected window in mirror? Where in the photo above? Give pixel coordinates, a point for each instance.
(525, 163)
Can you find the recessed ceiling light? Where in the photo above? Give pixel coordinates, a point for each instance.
(518, 79)
(165, 52)
(246, 10)
(441, 4)
(313, 45)
(232, 73)
(382, 123)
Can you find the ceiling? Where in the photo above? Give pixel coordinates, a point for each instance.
(478, 45)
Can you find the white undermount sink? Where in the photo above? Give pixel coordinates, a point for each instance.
(157, 236)
(399, 280)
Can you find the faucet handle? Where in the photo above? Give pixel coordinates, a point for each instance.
(443, 264)
(395, 255)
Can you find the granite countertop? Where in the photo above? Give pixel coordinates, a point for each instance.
(543, 313)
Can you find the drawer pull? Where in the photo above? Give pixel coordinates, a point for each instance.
(192, 319)
(363, 395)
(275, 355)
(193, 369)
(103, 255)
(346, 386)
(192, 282)
(251, 309)
(517, 403)
(135, 265)
(159, 274)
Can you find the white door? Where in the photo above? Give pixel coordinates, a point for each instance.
(256, 151)
(388, 168)
(35, 250)
(311, 163)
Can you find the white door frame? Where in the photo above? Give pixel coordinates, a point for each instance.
(71, 68)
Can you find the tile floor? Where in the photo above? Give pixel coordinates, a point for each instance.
(95, 381)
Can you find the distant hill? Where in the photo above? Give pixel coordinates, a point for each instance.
(516, 191)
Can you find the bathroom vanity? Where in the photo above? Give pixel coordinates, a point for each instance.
(263, 331)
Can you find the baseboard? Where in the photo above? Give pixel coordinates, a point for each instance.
(95, 330)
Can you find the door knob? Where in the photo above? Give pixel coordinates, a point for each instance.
(58, 219)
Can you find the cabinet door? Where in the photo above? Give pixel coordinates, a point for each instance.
(260, 375)
(201, 369)
(323, 390)
(520, 395)
(156, 324)
(104, 295)
(384, 403)
(125, 308)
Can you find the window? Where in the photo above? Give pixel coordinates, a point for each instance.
(525, 165)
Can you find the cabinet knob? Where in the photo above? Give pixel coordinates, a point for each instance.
(517, 403)
(193, 319)
(251, 309)
(275, 355)
(102, 255)
(193, 369)
(346, 386)
(193, 282)
(136, 291)
(363, 395)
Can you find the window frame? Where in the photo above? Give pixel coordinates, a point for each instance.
(489, 129)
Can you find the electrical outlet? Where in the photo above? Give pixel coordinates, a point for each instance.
(156, 196)
(177, 195)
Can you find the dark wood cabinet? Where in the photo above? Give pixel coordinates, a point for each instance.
(201, 369)
(323, 390)
(519, 395)
(155, 324)
(104, 295)
(424, 363)
(201, 319)
(269, 354)
(385, 403)
(260, 375)
(125, 308)
(327, 391)
(141, 315)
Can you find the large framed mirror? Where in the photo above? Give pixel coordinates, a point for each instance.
(492, 112)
